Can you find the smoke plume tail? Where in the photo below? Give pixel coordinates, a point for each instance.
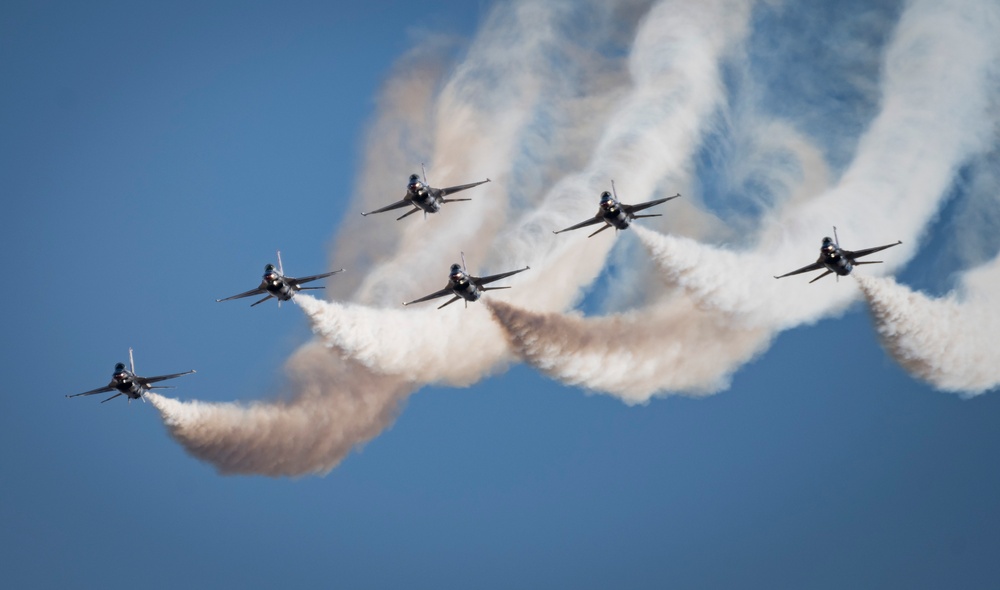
(949, 342)
(335, 407)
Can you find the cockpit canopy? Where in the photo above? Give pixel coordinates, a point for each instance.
(119, 368)
(414, 185)
(828, 245)
(269, 268)
(607, 201)
(456, 269)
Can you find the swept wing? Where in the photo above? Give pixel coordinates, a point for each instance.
(93, 391)
(814, 266)
(634, 208)
(486, 280)
(309, 279)
(396, 205)
(250, 293)
(158, 378)
(859, 253)
(434, 295)
(454, 189)
(595, 219)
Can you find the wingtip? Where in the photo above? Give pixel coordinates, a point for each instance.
(363, 214)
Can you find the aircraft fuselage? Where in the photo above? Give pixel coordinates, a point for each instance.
(465, 288)
(125, 382)
(835, 261)
(616, 216)
(426, 198)
(277, 286)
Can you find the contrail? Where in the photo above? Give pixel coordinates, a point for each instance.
(949, 342)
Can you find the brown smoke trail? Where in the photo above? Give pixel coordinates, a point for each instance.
(336, 407)
(672, 348)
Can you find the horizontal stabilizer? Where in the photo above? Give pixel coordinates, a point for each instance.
(599, 231)
(821, 276)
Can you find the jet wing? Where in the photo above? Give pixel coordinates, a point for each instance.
(396, 205)
(814, 266)
(454, 189)
(250, 293)
(446, 291)
(148, 380)
(646, 205)
(859, 253)
(311, 278)
(595, 219)
(93, 391)
(486, 280)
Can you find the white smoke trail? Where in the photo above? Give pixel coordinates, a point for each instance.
(539, 102)
(935, 115)
(923, 133)
(372, 337)
(338, 404)
(676, 85)
(949, 342)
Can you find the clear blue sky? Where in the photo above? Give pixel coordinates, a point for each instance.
(153, 157)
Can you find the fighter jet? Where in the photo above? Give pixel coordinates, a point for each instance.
(276, 284)
(465, 286)
(423, 197)
(129, 384)
(614, 213)
(836, 260)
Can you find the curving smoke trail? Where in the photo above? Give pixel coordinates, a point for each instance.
(949, 342)
(371, 337)
(674, 347)
(675, 76)
(334, 408)
(902, 169)
(934, 118)
(550, 101)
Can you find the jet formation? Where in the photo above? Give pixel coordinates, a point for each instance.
(462, 285)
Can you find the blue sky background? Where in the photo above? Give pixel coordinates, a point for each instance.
(153, 158)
